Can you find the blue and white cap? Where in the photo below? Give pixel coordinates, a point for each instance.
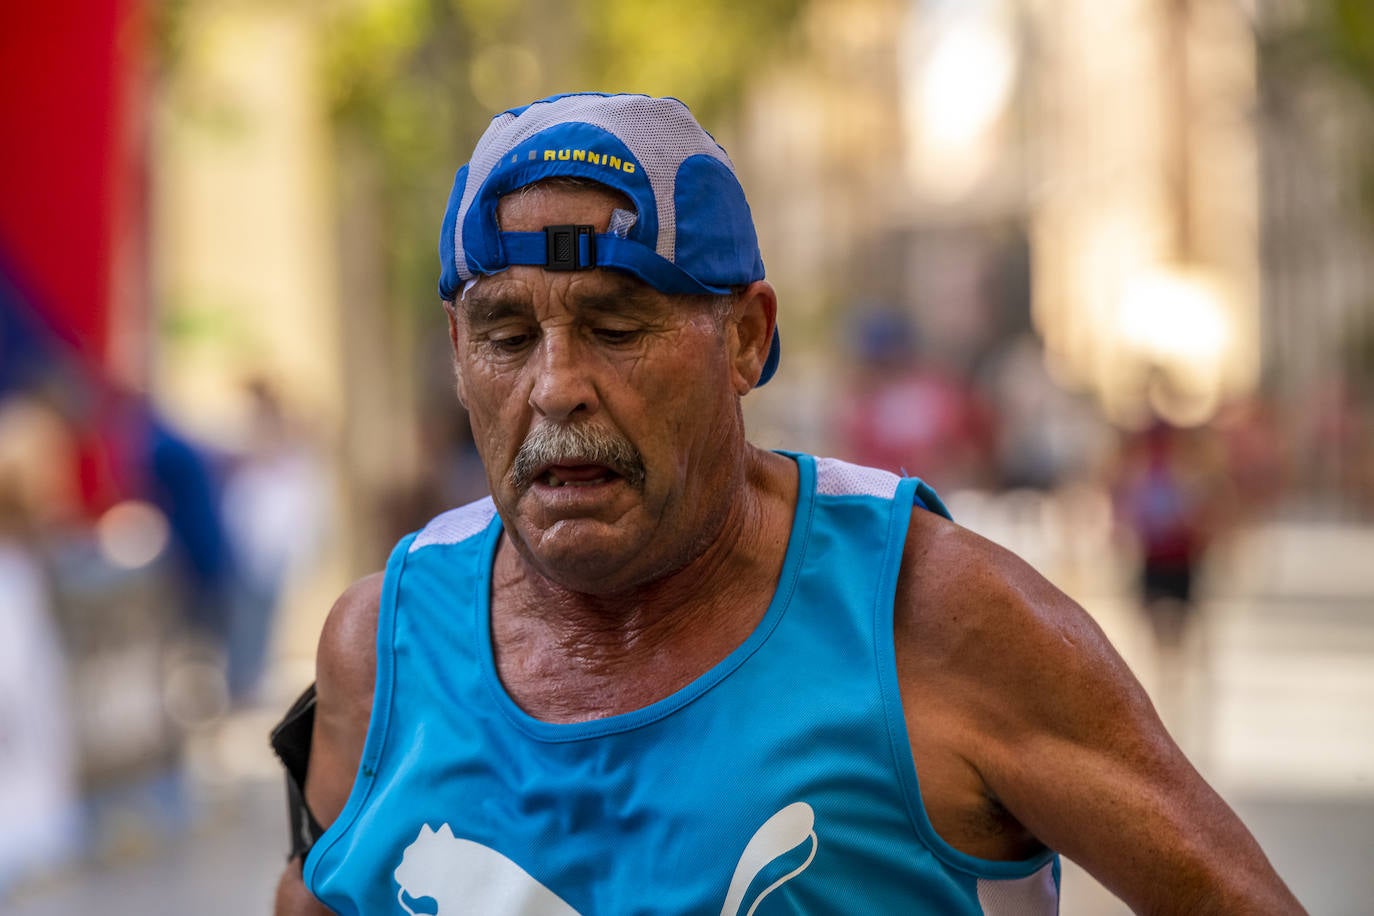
(691, 232)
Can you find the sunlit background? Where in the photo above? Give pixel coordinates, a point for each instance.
(1101, 272)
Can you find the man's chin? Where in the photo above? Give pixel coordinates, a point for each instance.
(582, 554)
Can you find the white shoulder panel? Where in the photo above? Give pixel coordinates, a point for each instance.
(456, 525)
(1034, 895)
(840, 478)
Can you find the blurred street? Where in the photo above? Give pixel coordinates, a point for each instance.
(1274, 703)
(227, 864)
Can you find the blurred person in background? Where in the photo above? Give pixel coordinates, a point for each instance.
(661, 669)
(1172, 494)
(141, 575)
(1046, 437)
(1171, 498)
(184, 479)
(39, 812)
(275, 509)
(126, 449)
(905, 412)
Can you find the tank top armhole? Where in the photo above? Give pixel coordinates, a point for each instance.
(925, 497)
(315, 867)
(915, 493)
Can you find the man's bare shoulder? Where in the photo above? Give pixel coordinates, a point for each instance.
(958, 591)
(986, 636)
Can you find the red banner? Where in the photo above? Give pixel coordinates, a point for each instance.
(71, 162)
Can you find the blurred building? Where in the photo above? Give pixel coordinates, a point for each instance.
(1170, 202)
(1144, 203)
(889, 172)
(1314, 132)
(1118, 140)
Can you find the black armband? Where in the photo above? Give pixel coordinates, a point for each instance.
(291, 742)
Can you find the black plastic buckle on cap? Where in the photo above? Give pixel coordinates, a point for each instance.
(565, 247)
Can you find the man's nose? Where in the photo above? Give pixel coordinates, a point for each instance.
(563, 384)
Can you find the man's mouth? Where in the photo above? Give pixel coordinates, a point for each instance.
(561, 455)
(576, 475)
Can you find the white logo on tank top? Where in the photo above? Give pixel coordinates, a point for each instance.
(779, 835)
(469, 879)
(464, 878)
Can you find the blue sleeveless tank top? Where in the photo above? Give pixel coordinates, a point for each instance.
(779, 782)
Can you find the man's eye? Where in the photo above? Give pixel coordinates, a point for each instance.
(616, 335)
(510, 342)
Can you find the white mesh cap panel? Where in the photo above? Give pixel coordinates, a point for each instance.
(659, 132)
(456, 525)
(840, 478)
(1033, 895)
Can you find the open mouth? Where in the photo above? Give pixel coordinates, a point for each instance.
(576, 475)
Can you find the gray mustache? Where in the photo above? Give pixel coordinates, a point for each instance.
(578, 444)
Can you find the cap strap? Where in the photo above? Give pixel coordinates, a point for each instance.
(571, 247)
(606, 250)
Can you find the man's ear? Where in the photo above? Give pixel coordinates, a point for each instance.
(453, 340)
(752, 321)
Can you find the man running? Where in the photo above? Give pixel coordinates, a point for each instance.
(661, 670)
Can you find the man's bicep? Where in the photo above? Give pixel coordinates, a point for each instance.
(1023, 686)
(1083, 762)
(345, 672)
(1102, 783)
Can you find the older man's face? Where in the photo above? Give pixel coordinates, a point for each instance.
(621, 397)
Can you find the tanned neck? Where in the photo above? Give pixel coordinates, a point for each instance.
(569, 656)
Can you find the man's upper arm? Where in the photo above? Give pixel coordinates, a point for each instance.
(345, 670)
(1024, 686)
(345, 675)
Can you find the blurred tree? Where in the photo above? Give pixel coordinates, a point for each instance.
(1346, 28)
(702, 53)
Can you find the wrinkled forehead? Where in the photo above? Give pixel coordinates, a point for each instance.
(557, 203)
(520, 288)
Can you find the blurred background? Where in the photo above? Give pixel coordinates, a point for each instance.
(1101, 272)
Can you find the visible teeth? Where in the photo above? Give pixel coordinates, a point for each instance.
(551, 480)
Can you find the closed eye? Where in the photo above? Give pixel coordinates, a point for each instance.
(510, 343)
(617, 336)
